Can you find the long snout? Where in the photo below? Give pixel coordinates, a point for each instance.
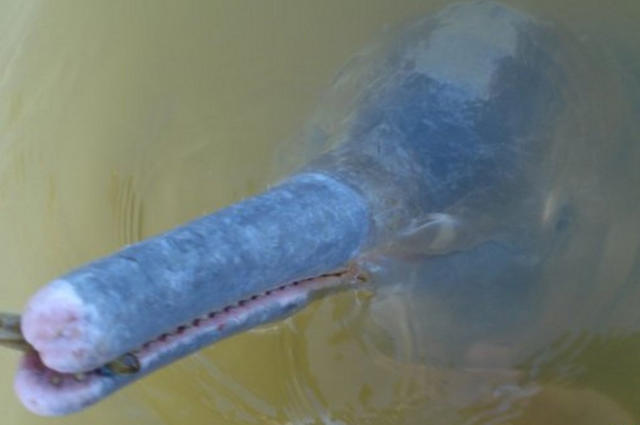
(163, 298)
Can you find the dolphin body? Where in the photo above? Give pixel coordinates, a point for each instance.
(456, 152)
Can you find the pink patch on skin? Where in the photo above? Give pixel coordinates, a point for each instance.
(58, 324)
(46, 392)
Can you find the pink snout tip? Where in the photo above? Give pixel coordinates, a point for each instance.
(60, 326)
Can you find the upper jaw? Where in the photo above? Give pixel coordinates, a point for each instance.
(309, 225)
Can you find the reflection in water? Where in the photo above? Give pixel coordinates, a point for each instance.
(120, 121)
(595, 362)
(127, 209)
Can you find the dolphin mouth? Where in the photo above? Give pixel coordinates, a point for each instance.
(49, 392)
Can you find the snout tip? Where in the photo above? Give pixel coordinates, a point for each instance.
(60, 327)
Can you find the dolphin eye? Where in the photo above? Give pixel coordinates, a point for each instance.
(564, 217)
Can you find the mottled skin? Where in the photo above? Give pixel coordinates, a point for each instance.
(449, 135)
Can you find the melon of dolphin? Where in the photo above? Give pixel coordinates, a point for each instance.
(451, 122)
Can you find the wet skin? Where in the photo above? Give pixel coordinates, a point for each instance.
(447, 157)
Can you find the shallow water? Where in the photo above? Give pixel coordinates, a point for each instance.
(120, 120)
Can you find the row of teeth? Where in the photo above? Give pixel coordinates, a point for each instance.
(124, 365)
(196, 322)
(129, 363)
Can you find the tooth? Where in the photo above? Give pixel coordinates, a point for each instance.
(55, 380)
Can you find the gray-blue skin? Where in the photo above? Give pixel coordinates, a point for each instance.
(445, 157)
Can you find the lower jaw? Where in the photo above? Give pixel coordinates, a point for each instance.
(47, 392)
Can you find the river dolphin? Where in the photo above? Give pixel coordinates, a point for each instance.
(456, 152)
